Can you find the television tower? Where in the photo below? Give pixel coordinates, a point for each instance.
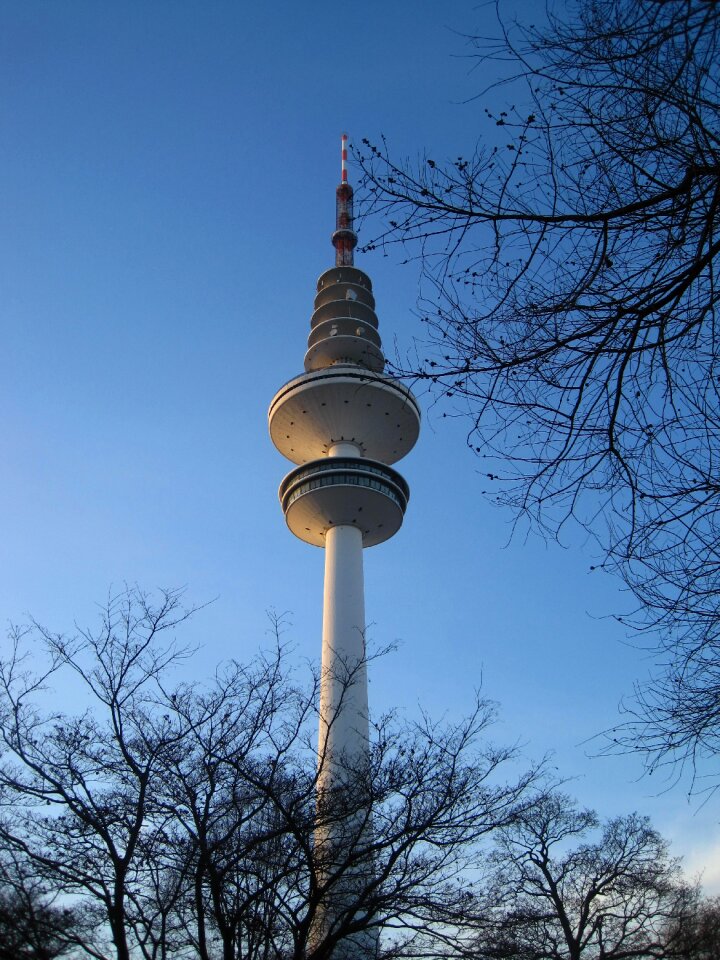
(343, 422)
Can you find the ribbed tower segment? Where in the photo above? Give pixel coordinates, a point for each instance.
(343, 422)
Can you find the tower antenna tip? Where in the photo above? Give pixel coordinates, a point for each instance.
(343, 163)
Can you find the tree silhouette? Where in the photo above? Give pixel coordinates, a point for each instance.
(565, 887)
(34, 925)
(570, 307)
(187, 814)
(697, 935)
(82, 785)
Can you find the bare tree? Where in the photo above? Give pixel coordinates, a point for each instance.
(570, 306)
(413, 823)
(34, 923)
(78, 789)
(697, 935)
(218, 788)
(188, 814)
(566, 887)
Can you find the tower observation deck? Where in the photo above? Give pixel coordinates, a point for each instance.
(343, 422)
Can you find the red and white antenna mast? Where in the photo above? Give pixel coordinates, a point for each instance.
(344, 239)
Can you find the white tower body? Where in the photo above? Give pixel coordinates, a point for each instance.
(343, 422)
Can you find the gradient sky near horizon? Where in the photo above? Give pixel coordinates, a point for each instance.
(168, 176)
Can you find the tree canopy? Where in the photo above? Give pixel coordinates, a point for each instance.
(567, 887)
(185, 816)
(569, 302)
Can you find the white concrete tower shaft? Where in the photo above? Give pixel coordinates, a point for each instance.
(343, 422)
(343, 734)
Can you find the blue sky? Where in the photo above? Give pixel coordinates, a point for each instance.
(168, 176)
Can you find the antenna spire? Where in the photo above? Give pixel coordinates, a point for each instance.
(344, 239)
